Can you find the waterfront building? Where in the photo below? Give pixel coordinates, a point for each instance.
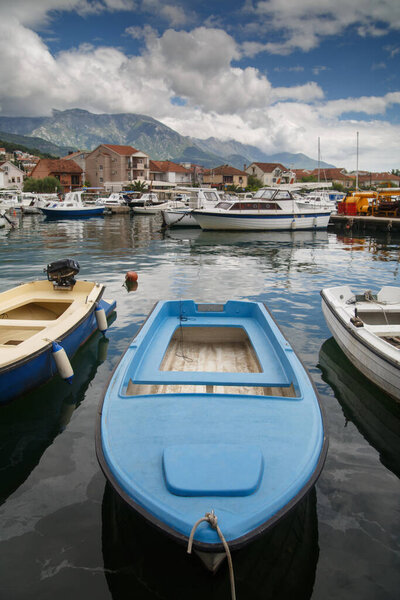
(11, 177)
(271, 173)
(67, 172)
(114, 166)
(164, 173)
(223, 176)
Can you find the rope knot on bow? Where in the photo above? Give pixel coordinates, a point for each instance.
(212, 519)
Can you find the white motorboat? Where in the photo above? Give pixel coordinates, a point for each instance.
(270, 209)
(148, 198)
(194, 198)
(114, 203)
(321, 198)
(155, 209)
(32, 203)
(367, 329)
(10, 201)
(71, 207)
(114, 199)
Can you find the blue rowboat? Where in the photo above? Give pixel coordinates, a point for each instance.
(42, 325)
(208, 410)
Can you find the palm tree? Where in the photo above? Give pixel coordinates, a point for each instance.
(138, 186)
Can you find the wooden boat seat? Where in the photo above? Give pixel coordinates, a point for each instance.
(138, 389)
(21, 323)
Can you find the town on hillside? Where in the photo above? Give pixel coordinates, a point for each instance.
(115, 168)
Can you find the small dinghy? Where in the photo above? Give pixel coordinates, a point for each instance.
(367, 329)
(42, 325)
(211, 416)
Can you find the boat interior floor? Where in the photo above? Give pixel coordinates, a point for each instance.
(203, 349)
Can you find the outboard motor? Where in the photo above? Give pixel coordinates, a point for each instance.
(61, 273)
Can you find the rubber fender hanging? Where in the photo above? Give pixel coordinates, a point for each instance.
(62, 362)
(101, 319)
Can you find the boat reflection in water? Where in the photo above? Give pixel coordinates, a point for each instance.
(29, 425)
(141, 562)
(236, 237)
(374, 413)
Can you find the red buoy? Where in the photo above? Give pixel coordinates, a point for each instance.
(131, 276)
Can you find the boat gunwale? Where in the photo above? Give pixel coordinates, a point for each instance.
(19, 363)
(235, 544)
(346, 325)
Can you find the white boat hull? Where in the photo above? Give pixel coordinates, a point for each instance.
(381, 370)
(176, 218)
(273, 222)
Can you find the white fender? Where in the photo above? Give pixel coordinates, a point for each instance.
(101, 319)
(62, 362)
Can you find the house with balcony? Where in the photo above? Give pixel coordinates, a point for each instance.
(114, 166)
(164, 173)
(11, 177)
(68, 173)
(224, 176)
(271, 173)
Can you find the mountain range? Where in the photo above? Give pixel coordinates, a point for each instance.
(80, 129)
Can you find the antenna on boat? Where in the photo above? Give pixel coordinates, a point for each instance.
(357, 165)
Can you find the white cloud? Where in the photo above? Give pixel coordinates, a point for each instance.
(304, 23)
(221, 100)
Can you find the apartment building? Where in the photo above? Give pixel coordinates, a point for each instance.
(112, 166)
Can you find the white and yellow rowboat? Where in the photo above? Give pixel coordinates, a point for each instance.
(42, 325)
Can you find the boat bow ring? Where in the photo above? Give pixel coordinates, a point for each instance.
(213, 469)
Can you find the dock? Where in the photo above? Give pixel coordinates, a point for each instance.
(366, 223)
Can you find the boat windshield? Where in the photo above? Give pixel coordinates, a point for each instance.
(265, 194)
(224, 205)
(211, 196)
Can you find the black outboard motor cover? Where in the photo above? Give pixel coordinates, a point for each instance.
(62, 272)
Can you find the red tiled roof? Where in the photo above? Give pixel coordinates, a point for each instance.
(225, 170)
(333, 173)
(166, 166)
(59, 165)
(378, 177)
(269, 167)
(123, 150)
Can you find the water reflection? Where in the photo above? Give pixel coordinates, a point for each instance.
(376, 415)
(140, 562)
(29, 425)
(201, 237)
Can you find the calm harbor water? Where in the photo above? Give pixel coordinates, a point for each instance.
(64, 533)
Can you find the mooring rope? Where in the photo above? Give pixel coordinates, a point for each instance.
(212, 519)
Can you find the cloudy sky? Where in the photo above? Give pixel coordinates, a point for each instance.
(278, 74)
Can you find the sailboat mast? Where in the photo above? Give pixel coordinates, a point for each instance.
(357, 166)
(319, 159)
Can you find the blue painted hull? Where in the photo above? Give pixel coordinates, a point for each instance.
(18, 380)
(72, 213)
(248, 445)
